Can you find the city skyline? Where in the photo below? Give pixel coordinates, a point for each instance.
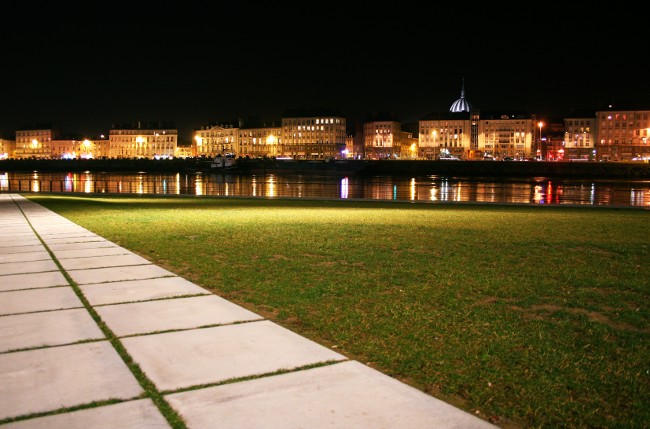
(172, 65)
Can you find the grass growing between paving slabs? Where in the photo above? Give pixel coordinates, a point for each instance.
(150, 391)
(528, 316)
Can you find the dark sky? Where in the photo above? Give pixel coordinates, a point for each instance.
(85, 67)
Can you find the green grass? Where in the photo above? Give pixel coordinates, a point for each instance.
(527, 316)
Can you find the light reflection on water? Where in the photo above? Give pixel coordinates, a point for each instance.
(534, 190)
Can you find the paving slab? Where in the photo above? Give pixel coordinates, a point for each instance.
(43, 380)
(94, 251)
(62, 236)
(56, 229)
(102, 262)
(73, 239)
(44, 218)
(22, 249)
(28, 267)
(116, 274)
(39, 255)
(32, 280)
(13, 220)
(80, 245)
(62, 232)
(72, 231)
(175, 313)
(9, 232)
(140, 413)
(30, 300)
(342, 395)
(50, 222)
(182, 359)
(16, 239)
(139, 290)
(26, 241)
(46, 215)
(49, 328)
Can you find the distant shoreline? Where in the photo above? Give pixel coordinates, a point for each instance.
(565, 169)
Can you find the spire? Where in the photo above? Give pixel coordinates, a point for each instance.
(461, 105)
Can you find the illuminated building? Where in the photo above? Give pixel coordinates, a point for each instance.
(506, 135)
(212, 140)
(623, 135)
(467, 133)
(315, 134)
(143, 140)
(7, 148)
(35, 141)
(381, 136)
(579, 136)
(259, 142)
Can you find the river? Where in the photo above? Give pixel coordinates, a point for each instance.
(429, 188)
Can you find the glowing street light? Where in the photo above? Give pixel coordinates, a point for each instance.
(86, 146)
(436, 146)
(138, 150)
(272, 141)
(540, 124)
(199, 143)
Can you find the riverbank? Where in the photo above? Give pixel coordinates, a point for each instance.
(605, 170)
(566, 169)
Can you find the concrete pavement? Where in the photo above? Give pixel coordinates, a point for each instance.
(95, 336)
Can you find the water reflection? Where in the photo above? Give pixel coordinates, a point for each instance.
(534, 190)
(345, 183)
(271, 183)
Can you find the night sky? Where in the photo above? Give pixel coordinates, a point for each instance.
(87, 67)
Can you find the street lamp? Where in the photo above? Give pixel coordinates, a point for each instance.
(199, 143)
(271, 141)
(436, 147)
(86, 145)
(34, 147)
(138, 150)
(539, 142)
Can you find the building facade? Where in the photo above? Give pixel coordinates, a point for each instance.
(143, 140)
(506, 135)
(7, 148)
(579, 137)
(72, 148)
(382, 139)
(445, 134)
(467, 133)
(216, 140)
(463, 132)
(35, 142)
(310, 135)
(623, 135)
(408, 145)
(259, 142)
(184, 151)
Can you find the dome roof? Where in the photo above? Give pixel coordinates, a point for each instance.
(461, 105)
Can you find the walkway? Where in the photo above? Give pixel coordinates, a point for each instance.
(95, 336)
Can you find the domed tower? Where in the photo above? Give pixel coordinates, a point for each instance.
(461, 105)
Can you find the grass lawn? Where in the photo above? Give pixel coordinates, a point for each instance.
(527, 316)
